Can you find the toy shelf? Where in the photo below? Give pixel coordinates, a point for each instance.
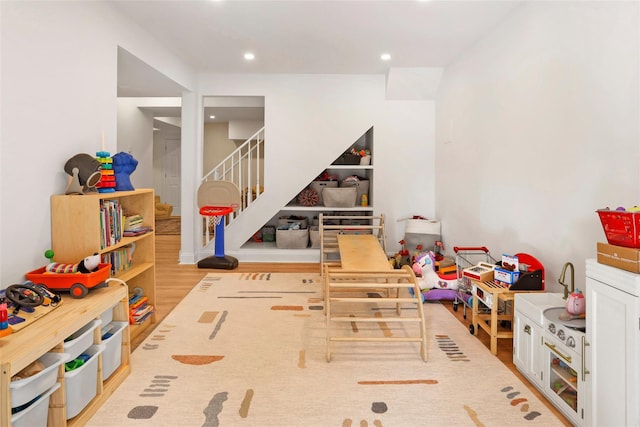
(47, 334)
(77, 230)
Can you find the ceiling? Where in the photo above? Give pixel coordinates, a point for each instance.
(303, 36)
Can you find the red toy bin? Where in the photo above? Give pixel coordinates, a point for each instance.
(77, 284)
(621, 228)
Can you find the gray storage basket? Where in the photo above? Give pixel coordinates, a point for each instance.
(343, 197)
(314, 236)
(319, 185)
(292, 239)
(286, 221)
(362, 187)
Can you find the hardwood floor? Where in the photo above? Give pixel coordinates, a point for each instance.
(174, 281)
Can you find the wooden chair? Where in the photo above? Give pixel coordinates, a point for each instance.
(332, 225)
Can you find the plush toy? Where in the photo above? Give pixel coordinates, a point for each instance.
(87, 265)
(123, 166)
(424, 268)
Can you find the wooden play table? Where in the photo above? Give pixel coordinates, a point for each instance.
(493, 296)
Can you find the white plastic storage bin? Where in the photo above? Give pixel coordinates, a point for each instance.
(36, 414)
(107, 316)
(25, 390)
(112, 355)
(81, 340)
(81, 383)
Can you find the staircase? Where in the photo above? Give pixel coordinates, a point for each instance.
(244, 168)
(264, 193)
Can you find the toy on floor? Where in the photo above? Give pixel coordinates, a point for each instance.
(434, 286)
(425, 267)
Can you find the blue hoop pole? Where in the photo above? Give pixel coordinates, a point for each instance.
(219, 238)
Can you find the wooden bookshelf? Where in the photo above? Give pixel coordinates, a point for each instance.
(77, 227)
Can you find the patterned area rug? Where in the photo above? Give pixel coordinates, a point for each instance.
(250, 350)
(168, 226)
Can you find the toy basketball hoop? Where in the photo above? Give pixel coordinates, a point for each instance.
(217, 199)
(216, 213)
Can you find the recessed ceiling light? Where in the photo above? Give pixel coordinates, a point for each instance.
(249, 56)
(212, 117)
(385, 57)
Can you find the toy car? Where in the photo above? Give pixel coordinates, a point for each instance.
(78, 284)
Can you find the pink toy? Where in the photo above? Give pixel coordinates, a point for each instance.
(576, 303)
(424, 268)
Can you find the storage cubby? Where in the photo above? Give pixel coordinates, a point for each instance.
(43, 339)
(77, 230)
(339, 170)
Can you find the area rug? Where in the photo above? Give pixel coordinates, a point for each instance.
(250, 350)
(169, 226)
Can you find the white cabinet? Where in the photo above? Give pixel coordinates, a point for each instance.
(527, 340)
(613, 337)
(528, 311)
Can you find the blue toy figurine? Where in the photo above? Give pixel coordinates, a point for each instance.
(123, 166)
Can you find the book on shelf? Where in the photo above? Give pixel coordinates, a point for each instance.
(111, 222)
(141, 319)
(137, 231)
(120, 259)
(133, 222)
(140, 312)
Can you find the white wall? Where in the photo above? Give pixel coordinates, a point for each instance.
(216, 145)
(537, 126)
(58, 84)
(135, 136)
(243, 129)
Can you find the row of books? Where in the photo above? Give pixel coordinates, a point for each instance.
(139, 309)
(111, 217)
(120, 259)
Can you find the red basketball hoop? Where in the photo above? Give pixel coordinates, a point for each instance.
(217, 212)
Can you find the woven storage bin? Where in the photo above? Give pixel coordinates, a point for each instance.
(285, 221)
(343, 197)
(292, 239)
(319, 185)
(362, 187)
(314, 236)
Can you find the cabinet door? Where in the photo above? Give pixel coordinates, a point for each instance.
(526, 347)
(612, 356)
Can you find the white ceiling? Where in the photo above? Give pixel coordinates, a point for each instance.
(303, 36)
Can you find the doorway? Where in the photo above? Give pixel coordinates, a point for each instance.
(171, 174)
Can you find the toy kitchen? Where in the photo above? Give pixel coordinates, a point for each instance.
(582, 350)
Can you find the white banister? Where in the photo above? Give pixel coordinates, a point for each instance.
(238, 167)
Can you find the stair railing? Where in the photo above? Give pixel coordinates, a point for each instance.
(244, 168)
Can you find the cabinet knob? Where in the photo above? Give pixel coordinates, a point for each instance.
(527, 329)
